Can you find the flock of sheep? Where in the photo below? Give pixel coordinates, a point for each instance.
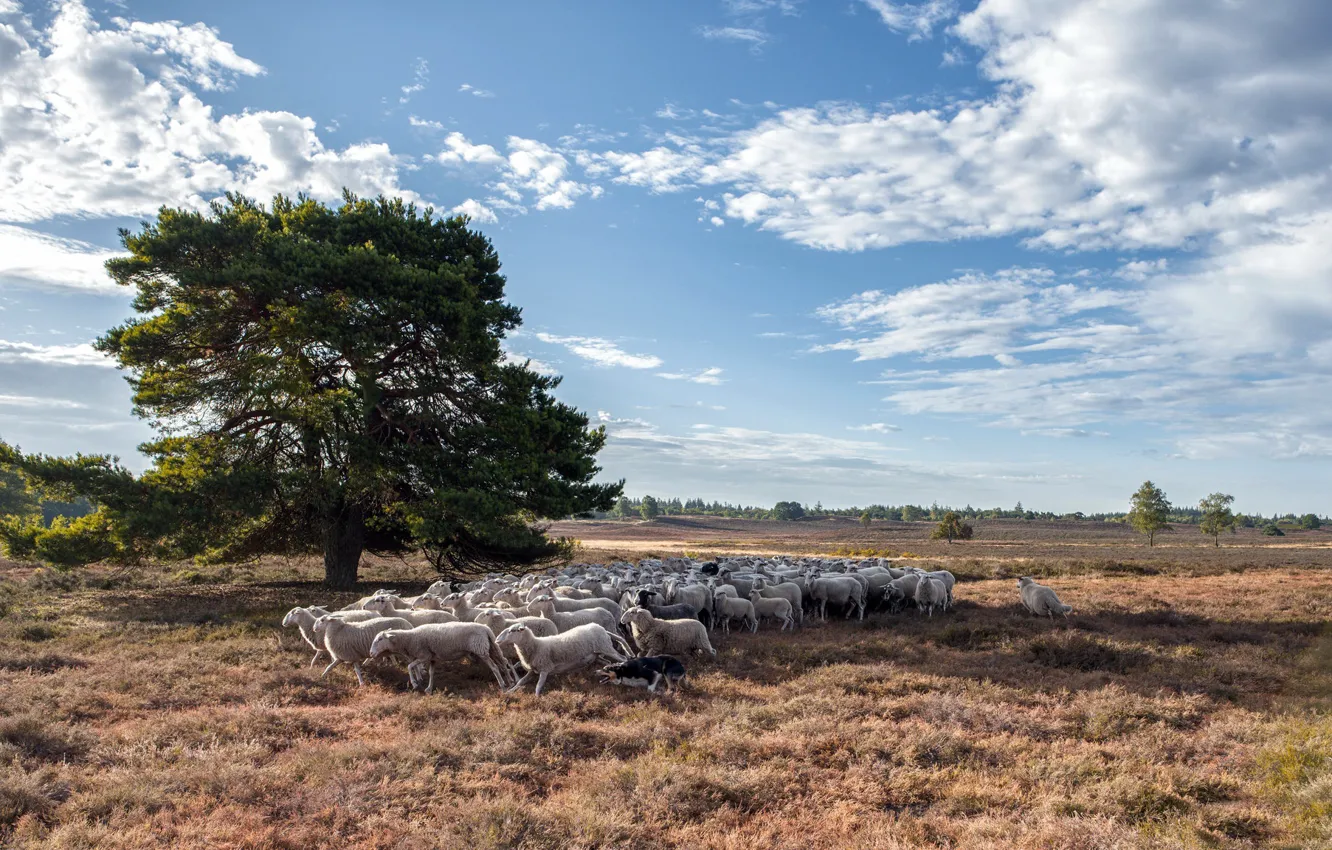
(622, 615)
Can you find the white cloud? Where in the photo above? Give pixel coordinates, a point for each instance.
(711, 377)
(38, 259)
(422, 123)
(474, 91)
(538, 366)
(971, 316)
(876, 427)
(749, 35)
(476, 211)
(917, 19)
(601, 352)
(108, 122)
(82, 354)
(29, 401)
(420, 77)
(531, 169)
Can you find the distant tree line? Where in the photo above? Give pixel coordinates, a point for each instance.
(651, 507)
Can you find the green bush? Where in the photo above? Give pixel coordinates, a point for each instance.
(76, 542)
(18, 536)
(1271, 530)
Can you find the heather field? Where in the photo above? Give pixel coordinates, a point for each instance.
(1182, 705)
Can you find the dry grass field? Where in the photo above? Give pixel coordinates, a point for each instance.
(1183, 705)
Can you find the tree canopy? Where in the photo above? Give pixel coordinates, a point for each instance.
(332, 380)
(788, 511)
(1149, 511)
(1216, 516)
(951, 527)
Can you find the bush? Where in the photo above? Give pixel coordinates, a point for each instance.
(1271, 530)
(18, 536)
(75, 543)
(1311, 522)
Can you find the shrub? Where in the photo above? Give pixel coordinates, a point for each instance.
(1271, 530)
(1080, 653)
(18, 536)
(75, 543)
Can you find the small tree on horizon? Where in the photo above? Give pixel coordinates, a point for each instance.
(788, 511)
(649, 510)
(866, 520)
(951, 528)
(1149, 511)
(1311, 522)
(1216, 516)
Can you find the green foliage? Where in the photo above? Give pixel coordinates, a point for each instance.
(951, 528)
(1273, 530)
(1311, 522)
(866, 520)
(788, 511)
(16, 500)
(79, 541)
(1216, 516)
(911, 513)
(18, 536)
(1149, 511)
(332, 380)
(649, 509)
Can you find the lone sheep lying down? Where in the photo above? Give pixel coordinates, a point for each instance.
(1040, 599)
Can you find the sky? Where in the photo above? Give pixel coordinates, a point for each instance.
(854, 251)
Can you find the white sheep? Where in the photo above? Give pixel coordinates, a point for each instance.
(729, 608)
(848, 591)
(931, 593)
(666, 637)
(544, 656)
(1041, 599)
(416, 616)
(435, 642)
(790, 591)
(349, 643)
(772, 609)
(544, 606)
(304, 619)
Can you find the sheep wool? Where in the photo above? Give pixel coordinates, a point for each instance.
(667, 637)
(546, 656)
(1040, 599)
(349, 643)
(435, 642)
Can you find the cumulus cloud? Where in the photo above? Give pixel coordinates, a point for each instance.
(530, 172)
(108, 121)
(601, 352)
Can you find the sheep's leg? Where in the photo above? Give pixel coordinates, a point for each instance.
(520, 682)
(499, 674)
(335, 663)
(360, 680)
(316, 658)
(541, 682)
(656, 678)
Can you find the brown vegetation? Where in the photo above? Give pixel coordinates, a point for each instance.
(1179, 706)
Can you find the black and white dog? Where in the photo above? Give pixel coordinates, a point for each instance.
(647, 672)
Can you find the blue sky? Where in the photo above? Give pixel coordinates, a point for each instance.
(856, 251)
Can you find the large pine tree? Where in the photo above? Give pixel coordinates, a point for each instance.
(332, 380)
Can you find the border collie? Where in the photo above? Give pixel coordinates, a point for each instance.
(647, 672)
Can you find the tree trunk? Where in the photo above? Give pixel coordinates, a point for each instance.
(344, 540)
